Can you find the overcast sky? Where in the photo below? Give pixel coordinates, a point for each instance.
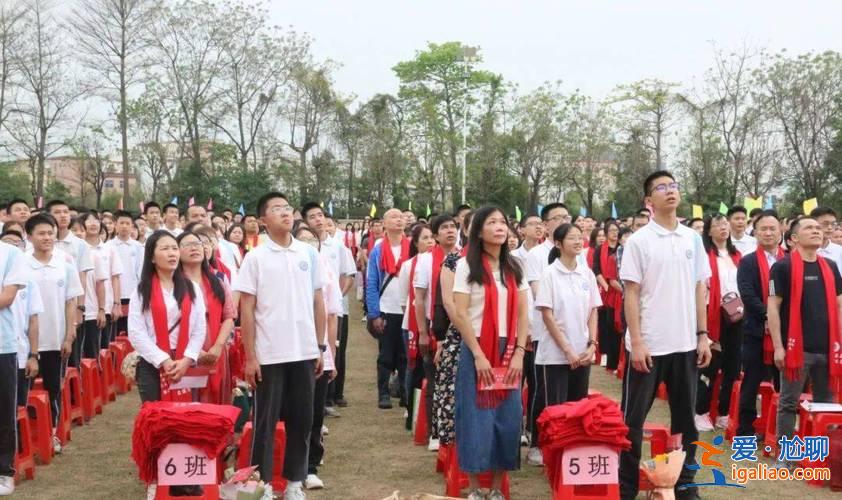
(592, 45)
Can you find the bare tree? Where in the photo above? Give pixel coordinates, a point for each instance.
(11, 16)
(92, 150)
(651, 107)
(110, 34)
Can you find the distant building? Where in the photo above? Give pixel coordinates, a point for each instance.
(70, 172)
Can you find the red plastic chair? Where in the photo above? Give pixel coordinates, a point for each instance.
(279, 484)
(25, 456)
(108, 388)
(91, 389)
(442, 457)
(119, 351)
(209, 492)
(65, 422)
(662, 391)
(421, 421)
(75, 401)
(819, 424)
(770, 440)
(456, 480)
(41, 424)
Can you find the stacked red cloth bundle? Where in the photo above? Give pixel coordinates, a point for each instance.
(204, 426)
(591, 421)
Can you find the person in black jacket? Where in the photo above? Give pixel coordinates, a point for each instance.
(754, 290)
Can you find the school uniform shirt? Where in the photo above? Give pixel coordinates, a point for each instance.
(78, 249)
(174, 232)
(520, 253)
(403, 288)
(332, 295)
(27, 304)
(477, 297)
(833, 252)
(13, 271)
(229, 254)
(142, 328)
(340, 260)
(745, 245)
(58, 282)
(667, 264)
(130, 254)
(572, 296)
(99, 273)
(283, 280)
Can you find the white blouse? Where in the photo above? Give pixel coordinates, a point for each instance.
(477, 293)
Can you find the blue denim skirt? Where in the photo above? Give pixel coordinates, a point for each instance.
(487, 439)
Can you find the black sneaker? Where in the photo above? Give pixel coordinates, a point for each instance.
(385, 403)
(341, 402)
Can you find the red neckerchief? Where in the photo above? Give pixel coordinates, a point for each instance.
(214, 314)
(158, 309)
(794, 360)
(351, 242)
(591, 251)
(387, 258)
(252, 241)
(371, 241)
(763, 267)
(489, 335)
(464, 251)
(715, 295)
(608, 269)
(412, 326)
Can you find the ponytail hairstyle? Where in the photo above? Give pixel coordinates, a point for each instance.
(216, 285)
(476, 271)
(181, 285)
(559, 234)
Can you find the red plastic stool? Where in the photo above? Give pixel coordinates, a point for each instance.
(456, 480)
(563, 491)
(279, 484)
(442, 457)
(75, 402)
(25, 456)
(41, 424)
(119, 351)
(124, 339)
(421, 421)
(209, 492)
(820, 424)
(662, 391)
(771, 437)
(733, 411)
(65, 423)
(766, 391)
(108, 389)
(657, 435)
(714, 397)
(765, 394)
(91, 389)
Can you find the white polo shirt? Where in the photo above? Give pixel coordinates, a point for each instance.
(113, 266)
(833, 252)
(476, 307)
(27, 304)
(333, 305)
(571, 295)
(130, 253)
(283, 280)
(58, 283)
(533, 269)
(667, 264)
(390, 300)
(99, 273)
(341, 262)
(422, 278)
(746, 245)
(13, 271)
(78, 249)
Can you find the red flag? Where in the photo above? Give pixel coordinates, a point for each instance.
(191, 202)
(210, 204)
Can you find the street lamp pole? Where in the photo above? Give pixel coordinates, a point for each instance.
(468, 53)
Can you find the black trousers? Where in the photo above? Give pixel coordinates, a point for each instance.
(52, 369)
(78, 347)
(123, 323)
(148, 381)
(609, 338)
(424, 370)
(8, 413)
(336, 388)
(106, 335)
(391, 355)
(529, 378)
(23, 387)
(285, 392)
(539, 399)
(563, 384)
(90, 339)
(317, 448)
(729, 361)
(755, 372)
(678, 370)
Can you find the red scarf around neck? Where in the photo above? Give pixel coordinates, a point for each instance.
(387, 257)
(160, 321)
(763, 267)
(412, 325)
(715, 295)
(351, 239)
(214, 309)
(794, 361)
(612, 298)
(371, 241)
(489, 336)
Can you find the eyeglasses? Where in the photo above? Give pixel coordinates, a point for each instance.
(192, 245)
(666, 187)
(562, 218)
(282, 209)
(829, 224)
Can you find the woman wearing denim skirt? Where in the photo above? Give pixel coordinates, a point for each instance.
(492, 315)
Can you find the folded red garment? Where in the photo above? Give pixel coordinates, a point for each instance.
(158, 424)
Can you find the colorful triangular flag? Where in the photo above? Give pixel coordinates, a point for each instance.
(698, 212)
(583, 211)
(174, 200)
(373, 211)
(770, 203)
(428, 210)
(539, 208)
(242, 210)
(191, 202)
(210, 204)
(614, 211)
(330, 207)
(810, 205)
(518, 215)
(723, 208)
(752, 203)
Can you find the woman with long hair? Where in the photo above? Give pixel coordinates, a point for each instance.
(491, 312)
(236, 235)
(726, 338)
(166, 324)
(608, 277)
(596, 240)
(220, 317)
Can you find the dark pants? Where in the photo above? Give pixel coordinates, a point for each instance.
(8, 413)
(424, 370)
(90, 339)
(609, 339)
(539, 399)
(285, 392)
(52, 369)
(729, 361)
(754, 373)
(563, 384)
(78, 347)
(317, 449)
(123, 323)
(817, 371)
(336, 388)
(529, 378)
(392, 354)
(23, 387)
(148, 381)
(106, 335)
(678, 370)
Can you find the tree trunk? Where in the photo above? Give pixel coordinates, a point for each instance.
(124, 135)
(302, 173)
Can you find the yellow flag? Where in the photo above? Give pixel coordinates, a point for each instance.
(752, 203)
(809, 205)
(373, 210)
(697, 212)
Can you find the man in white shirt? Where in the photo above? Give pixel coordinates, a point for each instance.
(384, 306)
(283, 320)
(532, 230)
(738, 218)
(130, 253)
(152, 217)
(171, 219)
(198, 213)
(664, 269)
(826, 217)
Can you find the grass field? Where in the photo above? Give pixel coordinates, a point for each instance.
(368, 456)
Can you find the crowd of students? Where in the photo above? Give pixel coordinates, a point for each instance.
(473, 304)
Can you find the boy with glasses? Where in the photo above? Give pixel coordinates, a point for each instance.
(826, 217)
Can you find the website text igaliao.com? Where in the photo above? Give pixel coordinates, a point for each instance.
(764, 472)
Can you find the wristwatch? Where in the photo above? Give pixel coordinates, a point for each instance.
(81, 308)
(322, 347)
(593, 343)
(34, 355)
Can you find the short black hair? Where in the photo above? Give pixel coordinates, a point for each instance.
(695, 220)
(170, 205)
(766, 213)
(545, 212)
(461, 207)
(797, 222)
(820, 211)
(122, 213)
(438, 220)
(151, 204)
(737, 209)
(522, 221)
(12, 232)
(38, 219)
(266, 198)
(755, 211)
(650, 179)
(15, 202)
(639, 215)
(310, 205)
(55, 203)
(642, 211)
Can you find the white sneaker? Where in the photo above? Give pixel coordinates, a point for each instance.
(703, 423)
(325, 430)
(151, 491)
(294, 492)
(433, 445)
(722, 422)
(524, 441)
(56, 445)
(7, 485)
(535, 457)
(331, 411)
(476, 495)
(313, 482)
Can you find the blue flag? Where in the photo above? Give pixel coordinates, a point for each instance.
(242, 210)
(539, 208)
(769, 204)
(613, 210)
(330, 207)
(174, 200)
(583, 211)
